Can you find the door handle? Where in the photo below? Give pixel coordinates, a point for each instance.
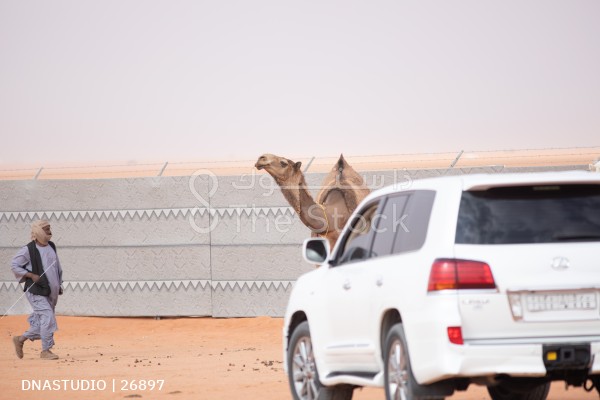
(379, 281)
(347, 285)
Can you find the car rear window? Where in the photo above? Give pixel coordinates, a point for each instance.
(530, 214)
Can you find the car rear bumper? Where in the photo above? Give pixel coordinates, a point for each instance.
(473, 360)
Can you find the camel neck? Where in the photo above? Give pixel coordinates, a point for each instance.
(297, 194)
(311, 213)
(290, 191)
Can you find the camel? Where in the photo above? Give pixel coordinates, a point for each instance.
(340, 193)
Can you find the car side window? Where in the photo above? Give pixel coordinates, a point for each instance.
(357, 242)
(414, 222)
(385, 234)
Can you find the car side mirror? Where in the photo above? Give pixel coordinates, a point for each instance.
(315, 250)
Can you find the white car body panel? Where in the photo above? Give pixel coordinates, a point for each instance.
(495, 340)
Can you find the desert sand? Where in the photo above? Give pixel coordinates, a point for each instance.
(180, 358)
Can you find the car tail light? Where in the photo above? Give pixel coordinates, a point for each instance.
(455, 335)
(460, 274)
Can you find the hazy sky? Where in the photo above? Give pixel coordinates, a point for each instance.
(151, 80)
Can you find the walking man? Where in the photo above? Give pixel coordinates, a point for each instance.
(37, 265)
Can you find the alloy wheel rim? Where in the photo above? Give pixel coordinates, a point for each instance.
(304, 370)
(397, 371)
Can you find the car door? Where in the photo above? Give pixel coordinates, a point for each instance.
(348, 307)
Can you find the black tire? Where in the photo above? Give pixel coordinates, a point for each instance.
(504, 392)
(400, 384)
(303, 376)
(596, 380)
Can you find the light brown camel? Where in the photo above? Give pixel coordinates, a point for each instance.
(341, 191)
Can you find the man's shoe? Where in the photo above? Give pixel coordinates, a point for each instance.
(18, 346)
(48, 355)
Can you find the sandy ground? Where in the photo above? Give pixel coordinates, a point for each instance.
(189, 358)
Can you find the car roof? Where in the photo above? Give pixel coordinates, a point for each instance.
(486, 181)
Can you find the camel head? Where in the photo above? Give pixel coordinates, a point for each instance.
(281, 169)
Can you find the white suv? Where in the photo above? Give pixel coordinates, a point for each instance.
(485, 279)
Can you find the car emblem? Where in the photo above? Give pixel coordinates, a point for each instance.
(560, 263)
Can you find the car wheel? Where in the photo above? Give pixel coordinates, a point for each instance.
(400, 383)
(505, 393)
(595, 384)
(302, 370)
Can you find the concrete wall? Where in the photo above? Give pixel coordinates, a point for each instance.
(197, 245)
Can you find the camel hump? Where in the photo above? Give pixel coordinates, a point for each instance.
(344, 179)
(341, 163)
(346, 175)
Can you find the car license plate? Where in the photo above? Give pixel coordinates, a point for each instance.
(557, 305)
(541, 302)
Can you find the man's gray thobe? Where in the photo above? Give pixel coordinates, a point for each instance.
(42, 322)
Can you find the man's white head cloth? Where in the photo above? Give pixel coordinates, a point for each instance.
(38, 234)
